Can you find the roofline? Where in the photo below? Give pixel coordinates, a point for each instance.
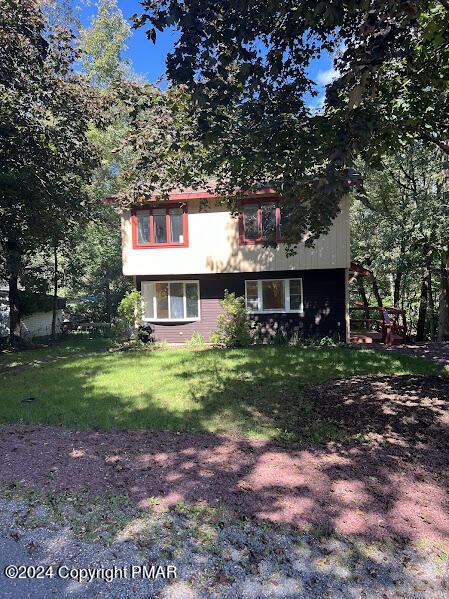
(199, 194)
(203, 195)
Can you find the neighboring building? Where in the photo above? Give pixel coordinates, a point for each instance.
(185, 252)
(35, 324)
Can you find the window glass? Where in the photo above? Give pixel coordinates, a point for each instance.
(148, 296)
(143, 226)
(162, 300)
(176, 300)
(160, 225)
(250, 221)
(268, 222)
(192, 300)
(295, 294)
(273, 295)
(252, 298)
(176, 228)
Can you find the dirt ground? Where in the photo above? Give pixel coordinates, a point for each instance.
(436, 351)
(393, 483)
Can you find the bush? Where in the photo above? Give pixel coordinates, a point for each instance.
(234, 327)
(145, 333)
(196, 340)
(130, 313)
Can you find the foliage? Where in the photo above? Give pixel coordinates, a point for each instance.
(94, 267)
(247, 65)
(46, 159)
(29, 303)
(234, 326)
(399, 232)
(145, 333)
(122, 333)
(196, 340)
(95, 264)
(256, 391)
(103, 44)
(130, 308)
(280, 338)
(160, 143)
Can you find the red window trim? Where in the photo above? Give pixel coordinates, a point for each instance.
(260, 240)
(168, 244)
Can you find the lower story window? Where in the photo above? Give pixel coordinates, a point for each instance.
(171, 300)
(274, 295)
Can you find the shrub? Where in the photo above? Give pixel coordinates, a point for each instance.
(145, 333)
(196, 340)
(280, 338)
(296, 338)
(130, 313)
(120, 329)
(234, 327)
(131, 307)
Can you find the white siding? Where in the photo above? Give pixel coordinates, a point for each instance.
(214, 247)
(39, 324)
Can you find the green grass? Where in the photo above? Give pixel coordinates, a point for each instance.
(254, 392)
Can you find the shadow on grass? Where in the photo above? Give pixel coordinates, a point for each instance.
(394, 485)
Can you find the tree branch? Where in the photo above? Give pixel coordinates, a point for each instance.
(441, 144)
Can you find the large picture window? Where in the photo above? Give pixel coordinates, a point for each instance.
(260, 222)
(274, 295)
(160, 226)
(171, 300)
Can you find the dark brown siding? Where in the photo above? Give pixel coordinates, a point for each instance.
(324, 305)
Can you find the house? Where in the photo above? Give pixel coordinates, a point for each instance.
(184, 252)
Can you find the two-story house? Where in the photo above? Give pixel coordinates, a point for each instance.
(183, 253)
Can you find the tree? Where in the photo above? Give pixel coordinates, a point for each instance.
(247, 67)
(94, 267)
(103, 44)
(399, 232)
(45, 157)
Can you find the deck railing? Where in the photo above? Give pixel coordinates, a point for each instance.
(387, 324)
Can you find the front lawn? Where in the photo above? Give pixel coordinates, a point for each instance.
(255, 392)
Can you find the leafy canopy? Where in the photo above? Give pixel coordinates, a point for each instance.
(45, 111)
(103, 44)
(247, 65)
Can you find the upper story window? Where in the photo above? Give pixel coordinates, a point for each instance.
(260, 222)
(160, 226)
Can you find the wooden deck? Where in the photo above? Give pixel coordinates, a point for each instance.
(377, 324)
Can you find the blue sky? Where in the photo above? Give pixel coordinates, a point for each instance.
(148, 59)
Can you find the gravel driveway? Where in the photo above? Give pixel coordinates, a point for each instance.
(214, 555)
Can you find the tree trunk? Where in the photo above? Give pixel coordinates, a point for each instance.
(376, 290)
(422, 313)
(55, 292)
(443, 316)
(362, 292)
(108, 303)
(397, 288)
(13, 260)
(431, 305)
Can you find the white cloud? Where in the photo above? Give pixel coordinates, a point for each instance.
(316, 104)
(327, 76)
